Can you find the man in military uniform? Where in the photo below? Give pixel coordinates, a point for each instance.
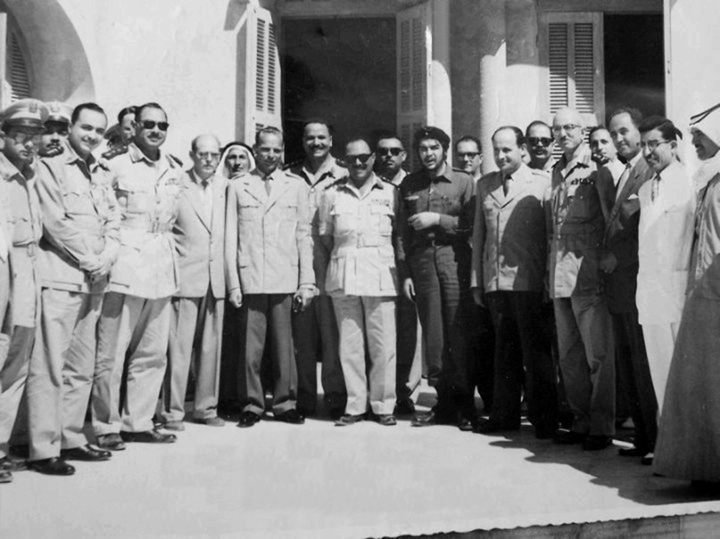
(268, 251)
(315, 329)
(390, 157)
(135, 315)
(56, 130)
(438, 202)
(584, 327)
(81, 240)
(358, 226)
(197, 308)
(22, 125)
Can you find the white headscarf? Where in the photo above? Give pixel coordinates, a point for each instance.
(708, 123)
(231, 146)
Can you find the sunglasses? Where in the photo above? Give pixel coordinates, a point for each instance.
(390, 151)
(539, 141)
(149, 124)
(362, 157)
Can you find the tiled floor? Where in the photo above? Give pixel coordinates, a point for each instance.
(317, 480)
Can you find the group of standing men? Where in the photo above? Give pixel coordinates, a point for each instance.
(117, 269)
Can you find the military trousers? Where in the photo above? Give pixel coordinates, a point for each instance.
(132, 333)
(315, 334)
(61, 372)
(12, 380)
(586, 346)
(267, 322)
(441, 275)
(368, 319)
(195, 342)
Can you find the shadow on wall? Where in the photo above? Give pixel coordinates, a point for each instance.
(57, 62)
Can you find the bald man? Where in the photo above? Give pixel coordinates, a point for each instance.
(197, 309)
(584, 327)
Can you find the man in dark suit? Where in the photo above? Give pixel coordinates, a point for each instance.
(619, 262)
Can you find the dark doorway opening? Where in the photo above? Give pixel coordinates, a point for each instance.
(342, 70)
(634, 63)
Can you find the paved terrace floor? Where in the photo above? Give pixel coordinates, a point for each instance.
(316, 480)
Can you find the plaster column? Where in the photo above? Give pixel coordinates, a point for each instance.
(491, 48)
(441, 104)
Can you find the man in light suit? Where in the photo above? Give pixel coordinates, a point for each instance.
(508, 271)
(268, 251)
(619, 262)
(197, 309)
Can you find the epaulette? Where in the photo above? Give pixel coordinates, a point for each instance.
(177, 160)
(384, 179)
(337, 183)
(291, 174)
(114, 152)
(539, 172)
(294, 164)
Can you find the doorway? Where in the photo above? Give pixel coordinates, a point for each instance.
(342, 70)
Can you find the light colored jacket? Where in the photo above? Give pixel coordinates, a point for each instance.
(148, 193)
(81, 221)
(360, 229)
(199, 240)
(577, 228)
(268, 247)
(509, 234)
(665, 237)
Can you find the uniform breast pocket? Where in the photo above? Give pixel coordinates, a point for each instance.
(582, 207)
(383, 218)
(249, 211)
(344, 219)
(288, 212)
(77, 203)
(133, 200)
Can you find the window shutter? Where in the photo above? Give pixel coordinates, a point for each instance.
(413, 73)
(572, 48)
(18, 71)
(262, 73)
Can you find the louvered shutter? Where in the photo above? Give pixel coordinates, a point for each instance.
(413, 73)
(572, 51)
(262, 73)
(17, 71)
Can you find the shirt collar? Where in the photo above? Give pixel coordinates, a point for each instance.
(581, 157)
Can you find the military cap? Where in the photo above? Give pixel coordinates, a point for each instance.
(59, 112)
(430, 132)
(26, 113)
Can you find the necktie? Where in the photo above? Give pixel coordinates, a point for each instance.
(623, 180)
(655, 187)
(268, 187)
(506, 185)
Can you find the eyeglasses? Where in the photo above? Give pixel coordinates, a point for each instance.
(208, 155)
(542, 141)
(468, 155)
(362, 157)
(149, 124)
(567, 128)
(22, 137)
(652, 144)
(389, 151)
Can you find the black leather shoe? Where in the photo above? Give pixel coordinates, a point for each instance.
(596, 443)
(490, 426)
(632, 452)
(291, 416)
(466, 424)
(545, 433)
(404, 407)
(647, 460)
(436, 416)
(53, 466)
(247, 419)
(87, 453)
(569, 437)
(148, 437)
(112, 442)
(5, 476)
